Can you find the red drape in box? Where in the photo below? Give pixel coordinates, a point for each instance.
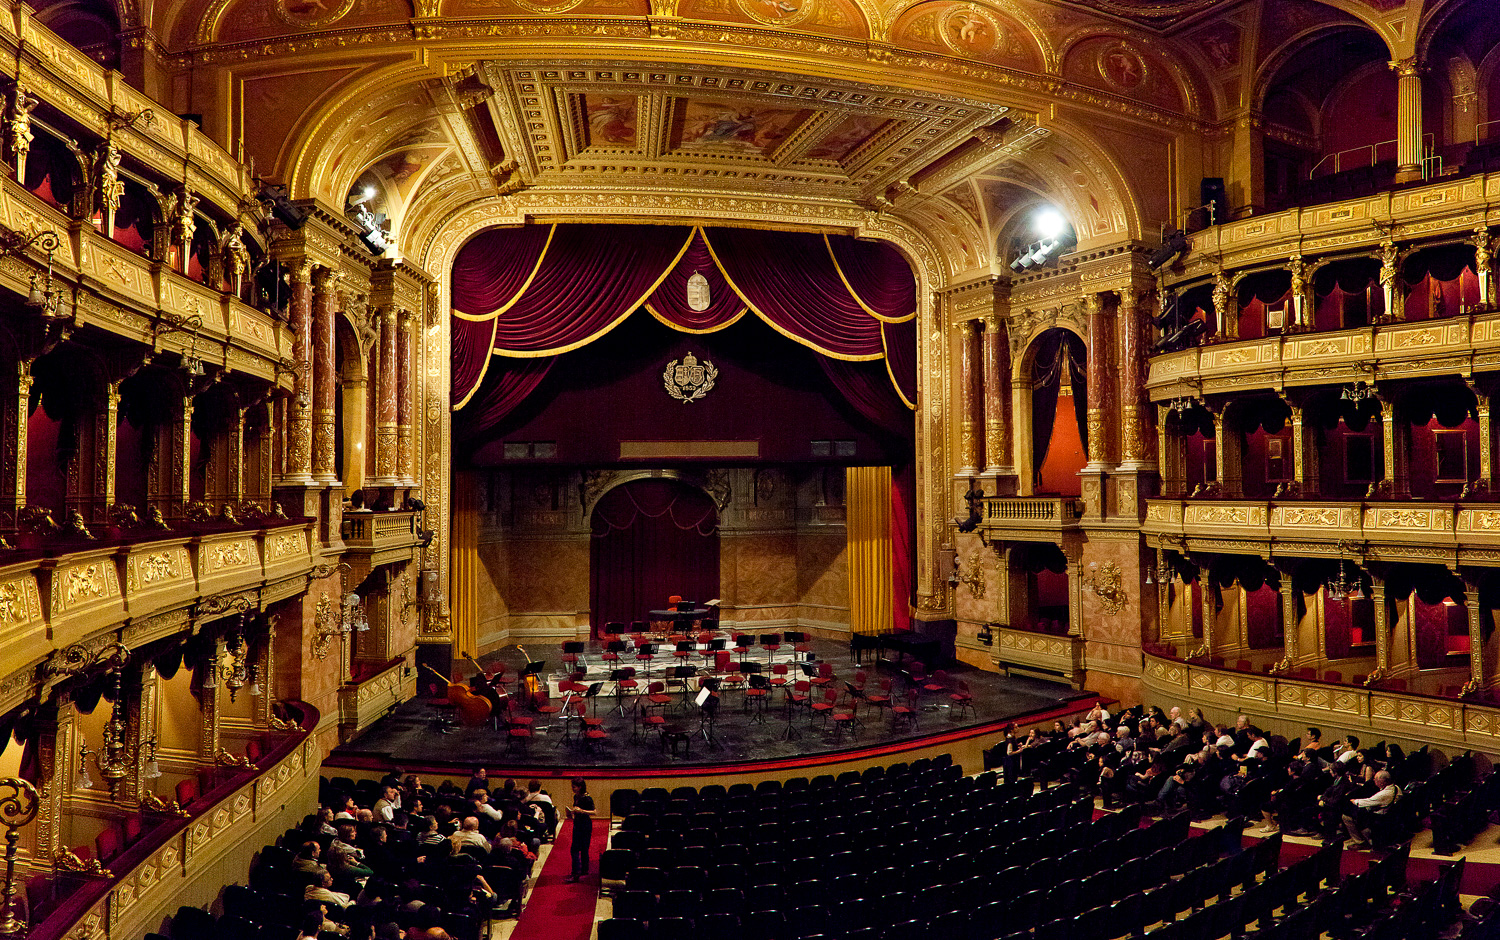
(652, 539)
(535, 292)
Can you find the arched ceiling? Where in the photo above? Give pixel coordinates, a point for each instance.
(944, 119)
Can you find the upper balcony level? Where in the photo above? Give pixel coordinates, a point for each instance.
(1409, 349)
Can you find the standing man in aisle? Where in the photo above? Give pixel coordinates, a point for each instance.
(582, 814)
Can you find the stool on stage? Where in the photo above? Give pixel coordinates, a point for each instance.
(672, 735)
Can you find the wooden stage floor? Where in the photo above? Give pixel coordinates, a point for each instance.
(409, 736)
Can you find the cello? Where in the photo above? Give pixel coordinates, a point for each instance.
(472, 709)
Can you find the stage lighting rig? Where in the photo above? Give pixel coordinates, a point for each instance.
(1179, 329)
(1055, 238)
(1174, 245)
(275, 196)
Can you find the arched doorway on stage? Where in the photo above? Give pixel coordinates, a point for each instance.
(1059, 406)
(651, 539)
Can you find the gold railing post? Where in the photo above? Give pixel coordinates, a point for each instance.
(16, 810)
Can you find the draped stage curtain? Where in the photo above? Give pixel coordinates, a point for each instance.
(537, 292)
(1057, 351)
(867, 521)
(651, 539)
(522, 296)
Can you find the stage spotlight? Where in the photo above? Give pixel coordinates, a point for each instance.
(1173, 246)
(1049, 224)
(372, 234)
(292, 216)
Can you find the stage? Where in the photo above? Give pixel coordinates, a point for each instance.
(410, 737)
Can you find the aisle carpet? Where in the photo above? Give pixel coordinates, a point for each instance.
(559, 910)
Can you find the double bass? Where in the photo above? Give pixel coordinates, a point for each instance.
(473, 710)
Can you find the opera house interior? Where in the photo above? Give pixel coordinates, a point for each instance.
(765, 409)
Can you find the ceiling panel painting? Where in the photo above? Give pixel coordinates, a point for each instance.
(846, 136)
(611, 120)
(725, 125)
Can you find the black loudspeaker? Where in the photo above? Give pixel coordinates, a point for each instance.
(1212, 192)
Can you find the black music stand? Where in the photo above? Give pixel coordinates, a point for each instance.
(708, 704)
(681, 674)
(591, 695)
(617, 676)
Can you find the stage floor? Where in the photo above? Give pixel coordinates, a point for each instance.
(408, 737)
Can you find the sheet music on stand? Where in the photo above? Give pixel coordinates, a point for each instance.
(708, 703)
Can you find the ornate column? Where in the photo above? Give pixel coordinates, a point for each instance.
(1396, 435)
(57, 762)
(969, 427)
(1168, 454)
(997, 459)
(106, 449)
(1289, 619)
(1482, 259)
(1382, 615)
(17, 412)
(209, 740)
(1481, 660)
(325, 375)
(1225, 308)
(405, 470)
(1408, 118)
(298, 467)
(1163, 602)
(1206, 606)
(385, 402)
(1304, 452)
(1132, 382)
(1099, 381)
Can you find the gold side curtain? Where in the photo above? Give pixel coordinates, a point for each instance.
(463, 565)
(867, 520)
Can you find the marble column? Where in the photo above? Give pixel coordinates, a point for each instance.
(1408, 119)
(298, 467)
(385, 403)
(997, 459)
(969, 426)
(1132, 381)
(405, 469)
(1100, 359)
(325, 375)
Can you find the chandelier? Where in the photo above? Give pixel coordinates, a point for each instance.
(349, 617)
(116, 754)
(1357, 392)
(1340, 587)
(235, 665)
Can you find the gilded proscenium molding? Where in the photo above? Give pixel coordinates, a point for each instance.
(1397, 350)
(1441, 532)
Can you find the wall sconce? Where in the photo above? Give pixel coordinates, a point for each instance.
(974, 577)
(1107, 583)
(116, 753)
(235, 665)
(19, 803)
(429, 599)
(43, 298)
(349, 618)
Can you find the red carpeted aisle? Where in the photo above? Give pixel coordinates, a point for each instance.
(559, 910)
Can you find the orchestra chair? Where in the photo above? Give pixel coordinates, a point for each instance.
(963, 698)
(656, 697)
(543, 705)
(572, 654)
(686, 649)
(800, 643)
(770, 642)
(645, 653)
(730, 674)
(613, 650)
(825, 707)
(825, 676)
(743, 643)
(905, 711)
(881, 699)
(625, 681)
(649, 722)
(779, 674)
(756, 695)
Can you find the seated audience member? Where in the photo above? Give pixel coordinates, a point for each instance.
(1360, 816)
(469, 838)
(323, 891)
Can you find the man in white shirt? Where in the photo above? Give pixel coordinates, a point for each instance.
(323, 891)
(386, 806)
(1376, 804)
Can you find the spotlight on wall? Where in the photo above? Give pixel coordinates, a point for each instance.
(290, 215)
(1054, 238)
(1173, 245)
(372, 234)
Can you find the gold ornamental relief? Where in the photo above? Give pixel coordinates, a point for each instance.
(777, 12)
(968, 30)
(310, 14)
(541, 6)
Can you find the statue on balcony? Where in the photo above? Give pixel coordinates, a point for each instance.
(77, 527)
(18, 126)
(154, 520)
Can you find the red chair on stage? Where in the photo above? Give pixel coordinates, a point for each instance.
(825, 707)
(963, 698)
(572, 654)
(800, 643)
(685, 650)
(657, 697)
(905, 711)
(613, 650)
(645, 653)
(743, 644)
(825, 676)
(770, 642)
(937, 683)
(779, 674)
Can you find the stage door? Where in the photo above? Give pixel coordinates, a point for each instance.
(651, 539)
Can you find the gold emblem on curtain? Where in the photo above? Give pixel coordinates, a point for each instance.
(689, 380)
(698, 297)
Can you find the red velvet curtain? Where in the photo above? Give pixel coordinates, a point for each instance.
(651, 539)
(537, 292)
